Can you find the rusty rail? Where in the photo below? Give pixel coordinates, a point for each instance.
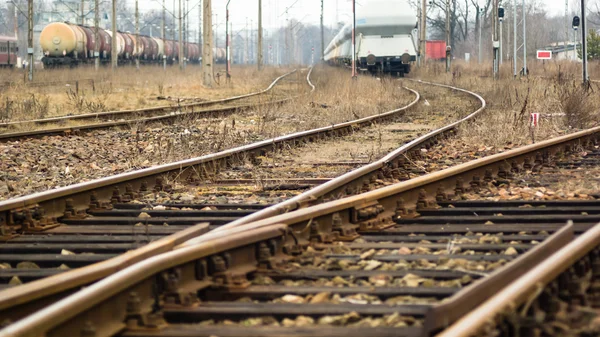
(525, 289)
(184, 266)
(326, 221)
(164, 108)
(359, 175)
(54, 204)
(177, 112)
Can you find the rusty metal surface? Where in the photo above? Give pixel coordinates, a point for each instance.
(53, 202)
(18, 302)
(311, 196)
(165, 108)
(528, 285)
(110, 296)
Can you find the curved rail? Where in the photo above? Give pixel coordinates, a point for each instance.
(164, 108)
(54, 203)
(371, 208)
(357, 176)
(524, 289)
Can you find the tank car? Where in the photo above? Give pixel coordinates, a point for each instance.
(66, 44)
(385, 38)
(8, 51)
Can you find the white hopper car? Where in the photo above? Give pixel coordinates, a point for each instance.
(386, 38)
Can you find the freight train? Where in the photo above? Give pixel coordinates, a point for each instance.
(67, 44)
(386, 39)
(8, 52)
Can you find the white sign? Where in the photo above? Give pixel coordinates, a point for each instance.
(535, 119)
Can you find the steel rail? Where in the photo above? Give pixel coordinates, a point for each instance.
(116, 294)
(141, 276)
(402, 199)
(357, 176)
(164, 108)
(54, 203)
(521, 290)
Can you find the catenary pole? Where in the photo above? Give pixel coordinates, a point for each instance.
(515, 38)
(113, 51)
(353, 38)
(227, 47)
(584, 44)
(479, 55)
(322, 34)
(448, 46)
(259, 51)
(207, 50)
(137, 34)
(30, 39)
(423, 35)
(164, 34)
(97, 34)
(524, 13)
(181, 51)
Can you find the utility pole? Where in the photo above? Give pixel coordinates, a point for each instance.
(501, 21)
(97, 35)
(30, 39)
(495, 40)
(423, 33)
(322, 34)
(584, 44)
(524, 13)
(186, 33)
(567, 29)
(137, 35)
(227, 49)
(113, 49)
(480, 56)
(515, 38)
(259, 61)
(207, 50)
(353, 38)
(16, 20)
(200, 26)
(448, 46)
(164, 33)
(181, 52)
(246, 42)
(82, 12)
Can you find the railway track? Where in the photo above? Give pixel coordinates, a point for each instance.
(29, 297)
(103, 120)
(404, 260)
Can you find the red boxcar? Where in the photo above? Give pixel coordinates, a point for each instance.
(8, 51)
(436, 50)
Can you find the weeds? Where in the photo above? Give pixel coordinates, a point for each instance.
(578, 107)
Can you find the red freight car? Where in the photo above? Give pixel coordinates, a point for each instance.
(8, 51)
(436, 50)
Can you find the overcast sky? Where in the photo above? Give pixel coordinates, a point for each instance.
(275, 12)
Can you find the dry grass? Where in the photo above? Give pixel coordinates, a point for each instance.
(552, 89)
(127, 89)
